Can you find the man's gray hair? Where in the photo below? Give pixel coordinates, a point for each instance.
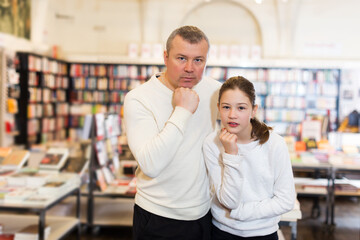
(190, 34)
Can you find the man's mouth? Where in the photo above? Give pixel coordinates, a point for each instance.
(187, 78)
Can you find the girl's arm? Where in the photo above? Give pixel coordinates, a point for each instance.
(284, 192)
(225, 174)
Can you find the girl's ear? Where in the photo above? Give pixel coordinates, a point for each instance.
(254, 111)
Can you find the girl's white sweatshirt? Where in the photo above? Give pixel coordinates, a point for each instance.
(253, 188)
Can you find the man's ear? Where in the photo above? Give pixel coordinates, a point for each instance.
(166, 57)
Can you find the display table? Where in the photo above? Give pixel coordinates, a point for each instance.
(291, 218)
(59, 227)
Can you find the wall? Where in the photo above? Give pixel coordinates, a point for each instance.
(285, 29)
(301, 29)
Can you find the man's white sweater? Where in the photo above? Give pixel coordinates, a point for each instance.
(167, 144)
(253, 188)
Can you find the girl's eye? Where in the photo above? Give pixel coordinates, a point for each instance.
(226, 107)
(241, 108)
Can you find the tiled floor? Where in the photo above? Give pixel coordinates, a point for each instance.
(347, 220)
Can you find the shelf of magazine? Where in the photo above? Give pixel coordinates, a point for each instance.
(104, 131)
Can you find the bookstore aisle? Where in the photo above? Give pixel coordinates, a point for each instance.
(347, 224)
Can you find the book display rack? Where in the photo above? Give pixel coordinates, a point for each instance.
(43, 104)
(105, 180)
(9, 94)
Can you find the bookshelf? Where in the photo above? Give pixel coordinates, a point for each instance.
(287, 96)
(43, 104)
(101, 88)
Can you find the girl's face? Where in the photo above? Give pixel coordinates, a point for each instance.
(235, 112)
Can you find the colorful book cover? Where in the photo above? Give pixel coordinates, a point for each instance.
(54, 158)
(15, 160)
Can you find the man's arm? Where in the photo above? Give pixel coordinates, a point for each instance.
(155, 148)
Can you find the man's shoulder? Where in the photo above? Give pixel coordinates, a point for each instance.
(212, 82)
(142, 89)
(208, 86)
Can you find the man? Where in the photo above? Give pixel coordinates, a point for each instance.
(166, 121)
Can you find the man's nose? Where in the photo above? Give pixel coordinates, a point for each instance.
(189, 66)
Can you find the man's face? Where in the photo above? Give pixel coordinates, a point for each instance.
(185, 63)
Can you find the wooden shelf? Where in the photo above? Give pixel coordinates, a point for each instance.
(107, 211)
(59, 226)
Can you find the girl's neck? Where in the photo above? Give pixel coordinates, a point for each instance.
(245, 137)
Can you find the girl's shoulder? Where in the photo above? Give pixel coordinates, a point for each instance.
(212, 139)
(275, 139)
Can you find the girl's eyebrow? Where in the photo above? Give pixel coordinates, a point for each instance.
(236, 104)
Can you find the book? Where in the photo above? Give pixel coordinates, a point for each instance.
(86, 131)
(100, 126)
(27, 178)
(30, 232)
(38, 199)
(4, 152)
(116, 125)
(101, 153)
(12, 106)
(19, 194)
(5, 190)
(15, 160)
(7, 236)
(54, 159)
(100, 179)
(76, 165)
(109, 131)
(52, 187)
(109, 177)
(4, 173)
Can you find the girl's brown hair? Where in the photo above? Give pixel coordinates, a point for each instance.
(260, 131)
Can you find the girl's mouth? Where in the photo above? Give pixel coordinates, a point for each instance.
(233, 124)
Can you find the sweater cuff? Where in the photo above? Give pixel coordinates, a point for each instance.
(231, 159)
(179, 118)
(235, 213)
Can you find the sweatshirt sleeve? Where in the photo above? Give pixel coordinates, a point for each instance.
(153, 148)
(225, 174)
(284, 196)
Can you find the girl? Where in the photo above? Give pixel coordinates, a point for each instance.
(249, 168)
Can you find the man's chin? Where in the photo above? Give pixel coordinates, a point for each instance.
(187, 85)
